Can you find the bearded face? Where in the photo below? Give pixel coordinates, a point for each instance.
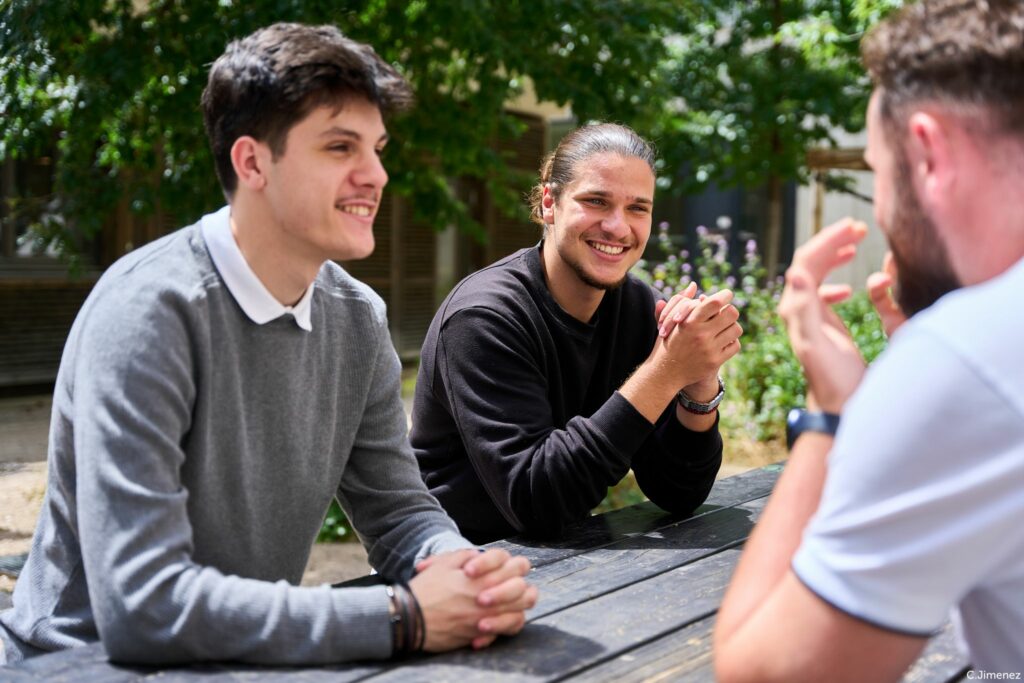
(924, 270)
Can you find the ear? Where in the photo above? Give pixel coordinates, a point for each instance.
(250, 159)
(547, 205)
(930, 154)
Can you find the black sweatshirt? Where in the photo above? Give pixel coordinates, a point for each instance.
(517, 422)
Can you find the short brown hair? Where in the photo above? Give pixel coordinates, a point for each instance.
(959, 53)
(270, 80)
(559, 167)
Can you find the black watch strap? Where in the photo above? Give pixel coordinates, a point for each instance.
(799, 421)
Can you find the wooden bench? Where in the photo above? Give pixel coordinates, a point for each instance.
(626, 596)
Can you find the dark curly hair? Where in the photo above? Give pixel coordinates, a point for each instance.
(963, 54)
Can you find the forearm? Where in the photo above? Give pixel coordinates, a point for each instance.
(768, 553)
(650, 390)
(677, 466)
(568, 472)
(171, 618)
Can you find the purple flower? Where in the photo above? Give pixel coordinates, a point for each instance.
(748, 289)
(672, 258)
(739, 303)
(663, 226)
(687, 268)
(702, 231)
(730, 282)
(668, 291)
(751, 247)
(684, 254)
(658, 284)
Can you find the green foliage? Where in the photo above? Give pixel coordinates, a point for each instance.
(336, 527)
(765, 378)
(750, 86)
(115, 86)
(623, 494)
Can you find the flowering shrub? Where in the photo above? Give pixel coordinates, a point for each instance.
(764, 380)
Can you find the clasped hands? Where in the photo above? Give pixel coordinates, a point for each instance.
(832, 363)
(695, 337)
(470, 597)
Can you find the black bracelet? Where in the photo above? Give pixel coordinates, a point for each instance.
(408, 631)
(396, 621)
(420, 624)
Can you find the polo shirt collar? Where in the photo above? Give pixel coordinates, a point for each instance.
(252, 296)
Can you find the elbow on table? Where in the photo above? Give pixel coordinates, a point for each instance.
(125, 646)
(137, 637)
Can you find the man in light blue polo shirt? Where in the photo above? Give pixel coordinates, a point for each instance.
(911, 512)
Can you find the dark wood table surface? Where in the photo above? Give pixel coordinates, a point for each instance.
(630, 595)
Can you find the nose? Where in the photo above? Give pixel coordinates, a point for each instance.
(370, 173)
(615, 223)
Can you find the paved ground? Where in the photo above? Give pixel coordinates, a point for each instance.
(24, 423)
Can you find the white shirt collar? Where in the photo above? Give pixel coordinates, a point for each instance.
(252, 296)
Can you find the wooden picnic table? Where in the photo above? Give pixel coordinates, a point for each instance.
(630, 595)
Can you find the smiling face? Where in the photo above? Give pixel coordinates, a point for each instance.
(598, 226)
(323, 192)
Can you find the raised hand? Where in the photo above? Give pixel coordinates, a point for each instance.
(470, 598)
(832, 362)
(880, 291)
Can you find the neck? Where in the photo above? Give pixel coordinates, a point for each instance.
(987, 237)
(576, 297)
(285, 271)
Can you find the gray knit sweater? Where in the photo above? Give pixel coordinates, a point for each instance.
(192, 456)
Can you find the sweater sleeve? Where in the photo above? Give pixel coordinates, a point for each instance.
(133, 391)
(381, 489)
(676, 467)
(540, 476)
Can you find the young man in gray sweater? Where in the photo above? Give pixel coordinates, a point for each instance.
(221, 385)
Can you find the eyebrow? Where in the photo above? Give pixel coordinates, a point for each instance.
(348, 133)
(603, 194)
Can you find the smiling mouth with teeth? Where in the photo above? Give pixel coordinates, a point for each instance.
(607, 248)
(357, 210)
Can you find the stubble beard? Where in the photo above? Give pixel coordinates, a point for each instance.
(586, 278)
(924, 271)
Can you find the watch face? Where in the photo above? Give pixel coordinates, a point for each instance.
(799, 421)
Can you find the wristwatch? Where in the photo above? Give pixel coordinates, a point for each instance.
(698, 408)
(799, 421)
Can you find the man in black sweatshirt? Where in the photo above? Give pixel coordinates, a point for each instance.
(546, 376)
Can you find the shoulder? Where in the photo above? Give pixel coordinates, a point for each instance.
(507, 286)
(163, 276)
(344, 295)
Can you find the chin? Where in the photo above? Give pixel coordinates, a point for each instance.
(355, 252)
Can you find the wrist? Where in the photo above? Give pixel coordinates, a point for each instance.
(705, 390)
(696, 406)
(809, 421)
